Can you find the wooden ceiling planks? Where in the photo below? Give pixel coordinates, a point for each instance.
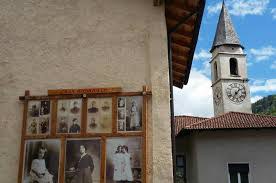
(184, 38)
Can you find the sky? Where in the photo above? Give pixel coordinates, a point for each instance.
(255, 24)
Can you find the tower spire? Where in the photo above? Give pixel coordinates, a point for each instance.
(225, 33)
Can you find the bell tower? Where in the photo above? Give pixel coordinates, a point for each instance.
(228, 69)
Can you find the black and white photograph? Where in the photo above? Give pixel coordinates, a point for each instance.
(41, 161)
(130, 111)
(121, 125)
(99, 115)
(38, 117)
(69, 116)
(121, 102)
(121, 114)
(123, 159)
(83, 161)
(137, 173)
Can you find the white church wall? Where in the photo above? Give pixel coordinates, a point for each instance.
(215, 149)
(229, 105)
(185, 146)
(233, 49)
(225, 68)
(78, 44)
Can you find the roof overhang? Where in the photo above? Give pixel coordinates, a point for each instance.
(183, 18)
(185, 132)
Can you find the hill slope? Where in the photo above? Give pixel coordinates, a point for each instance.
(266, 105)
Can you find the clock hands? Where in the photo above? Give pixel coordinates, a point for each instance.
(236, 92)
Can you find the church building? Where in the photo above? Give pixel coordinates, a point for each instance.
(234, 146)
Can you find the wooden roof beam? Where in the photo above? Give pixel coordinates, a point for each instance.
(177, 77)
(179, 74)
(184, 29)
(179, 68)
(173, 6)
(179, 50)
(180, 59)
(181, 23)
(177, 84)
(192, 5)
(181, 40)
(178, 65)
(177, 11)
(190, 21)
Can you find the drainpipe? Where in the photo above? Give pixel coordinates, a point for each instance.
(172, 107)
(169, 37)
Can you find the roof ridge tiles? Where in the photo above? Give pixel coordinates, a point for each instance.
(179, 116)
(235, 120)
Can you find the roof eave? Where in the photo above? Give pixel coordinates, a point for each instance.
(226, 44)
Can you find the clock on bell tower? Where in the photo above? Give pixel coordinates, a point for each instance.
(228, 69)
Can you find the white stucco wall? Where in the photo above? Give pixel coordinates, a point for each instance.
(213, 150)
(78, 44)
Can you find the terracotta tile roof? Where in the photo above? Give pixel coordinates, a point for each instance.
(183, 121)
(231, 120)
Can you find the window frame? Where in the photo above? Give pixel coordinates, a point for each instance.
(182, 166)
(238, 172)
(233, 62)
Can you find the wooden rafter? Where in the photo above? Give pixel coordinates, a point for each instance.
(183, 18)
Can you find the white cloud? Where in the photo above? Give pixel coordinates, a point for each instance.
(215, 8)
(241, 7)
(202, 55)
(273, 12)
(248, 7)
(258, 82)
(256, 98)
(263, 53)
(196, 97)
(273, 65)
(265, 86)
(206, 68)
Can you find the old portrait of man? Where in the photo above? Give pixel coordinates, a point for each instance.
(75, 127)
(75, 109)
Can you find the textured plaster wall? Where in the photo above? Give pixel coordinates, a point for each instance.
(214, 150)
(83, 43)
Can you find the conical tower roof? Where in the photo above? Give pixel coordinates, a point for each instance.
(225, 33)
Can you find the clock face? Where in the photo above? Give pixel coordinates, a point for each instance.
(236, 92)
(217, 95)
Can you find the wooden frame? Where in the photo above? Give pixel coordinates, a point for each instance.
(107, 92)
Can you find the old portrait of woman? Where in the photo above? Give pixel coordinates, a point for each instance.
(39, 173)
(134, 116)
(122, 166)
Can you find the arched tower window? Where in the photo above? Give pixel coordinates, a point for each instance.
(215, 71)
(234, 66)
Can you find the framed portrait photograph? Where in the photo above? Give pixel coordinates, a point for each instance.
(124, 159)
(129, 113)
(83, 161)
(99, 115)
(69, 116)
(41, 161)
(38, 117)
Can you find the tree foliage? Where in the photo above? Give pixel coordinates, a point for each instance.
(266, 105)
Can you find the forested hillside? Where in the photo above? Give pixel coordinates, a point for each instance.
(266, 105)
